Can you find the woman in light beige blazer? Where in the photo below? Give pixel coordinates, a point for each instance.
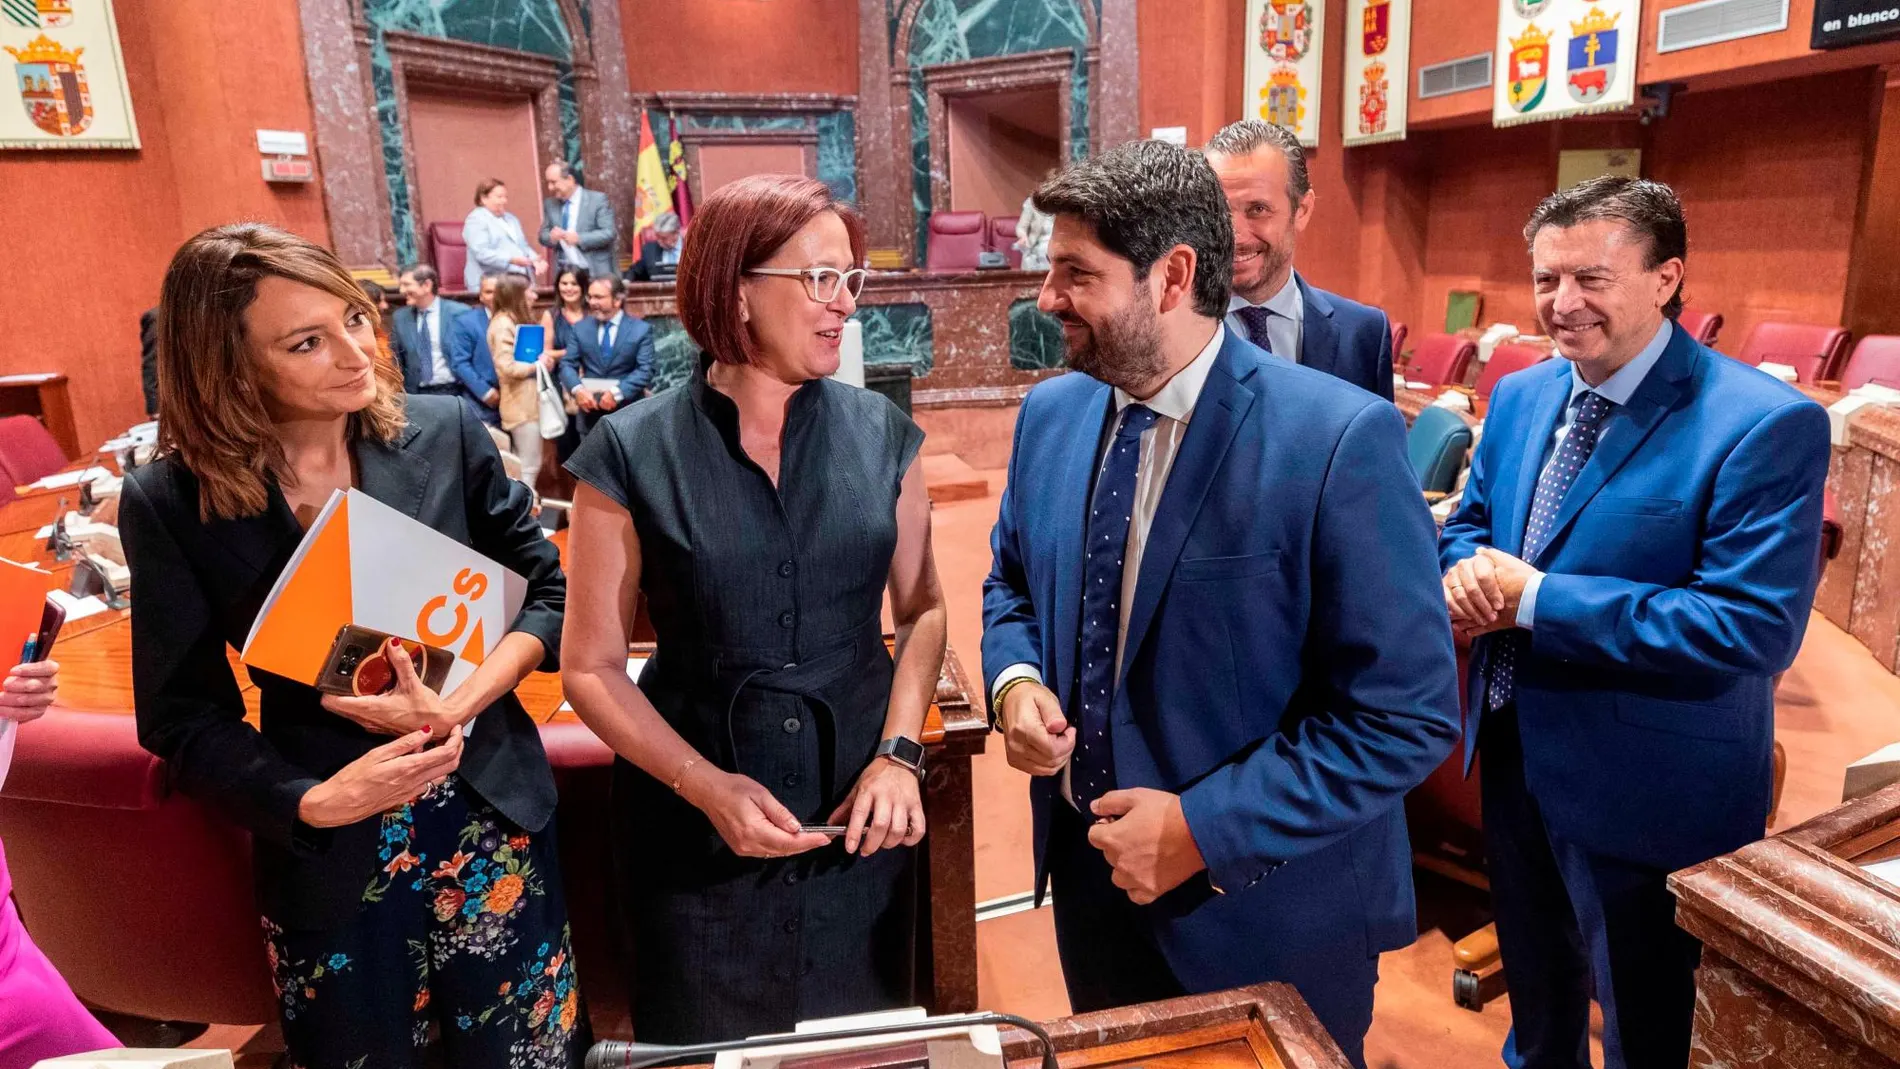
(520, 404)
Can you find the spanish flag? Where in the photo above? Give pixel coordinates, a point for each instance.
(651, 194)
(676, 161)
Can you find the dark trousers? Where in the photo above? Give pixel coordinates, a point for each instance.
(463, 927)
(1110, 958)
(1107, 947)
(1572, 923)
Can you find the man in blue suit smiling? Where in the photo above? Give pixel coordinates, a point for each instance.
(1213, 631)
(1635, 555)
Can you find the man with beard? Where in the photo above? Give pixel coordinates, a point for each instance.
(1262, 170)
(1635, 555)
(1213, 631)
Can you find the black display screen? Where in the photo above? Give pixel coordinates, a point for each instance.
(1840, 23)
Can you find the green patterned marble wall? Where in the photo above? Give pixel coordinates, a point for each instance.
(893, 334)
(837, 138)
(946, 31)
(524, 25)
(1035, 338)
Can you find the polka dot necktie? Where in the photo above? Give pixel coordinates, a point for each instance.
(1552, 485)
(1256, 317)
(1111, 510)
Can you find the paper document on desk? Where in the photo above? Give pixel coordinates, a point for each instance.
(366, 564)
(65, 479)
(953, 1047)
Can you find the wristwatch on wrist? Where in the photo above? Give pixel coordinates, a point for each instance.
(906, 752)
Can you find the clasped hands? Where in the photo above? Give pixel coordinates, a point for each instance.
(395, 772)
(1482, 592)
(1142, 833)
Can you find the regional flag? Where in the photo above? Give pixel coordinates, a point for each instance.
(651, 194)
(676, 162)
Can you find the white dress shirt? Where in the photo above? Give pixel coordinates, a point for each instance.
(430, 318)
(1174, 405)
(570, 222)
(1289, 316)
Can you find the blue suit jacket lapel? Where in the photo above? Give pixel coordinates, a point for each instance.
(1631, 427)
(1218, 415)
(1530, 460)
(1319, 336)
(1071, 511)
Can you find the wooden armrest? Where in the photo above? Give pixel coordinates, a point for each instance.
(1478, 949)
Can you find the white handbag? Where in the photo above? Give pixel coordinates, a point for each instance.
(553, 408)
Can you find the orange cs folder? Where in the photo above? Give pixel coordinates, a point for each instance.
(366, 564)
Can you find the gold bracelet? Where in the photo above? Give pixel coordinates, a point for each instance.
(684, 769)
(996, 711)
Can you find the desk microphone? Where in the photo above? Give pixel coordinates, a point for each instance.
(614, 1054)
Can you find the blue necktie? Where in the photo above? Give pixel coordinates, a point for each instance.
(606, 338)
(1552, 485)
(1092, 770)
(1256, 317)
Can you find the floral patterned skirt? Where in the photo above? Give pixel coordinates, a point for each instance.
(464, 927)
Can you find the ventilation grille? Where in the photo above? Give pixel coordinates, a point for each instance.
(1454, 76)
(1714, 21)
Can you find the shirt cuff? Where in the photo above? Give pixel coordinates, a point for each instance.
(1527, 601)
(1020, 670)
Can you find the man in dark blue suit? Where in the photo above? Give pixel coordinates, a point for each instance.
(1262, 170)
(1213, 631)
(442, 346)
(611, 362)
(1635, 556)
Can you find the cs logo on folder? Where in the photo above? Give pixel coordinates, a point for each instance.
(366, 564)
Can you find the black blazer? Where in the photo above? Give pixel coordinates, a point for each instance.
(197, 587)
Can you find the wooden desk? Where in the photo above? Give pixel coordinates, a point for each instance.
(1801, 947)
(44, 395)
(1411, 402)
(1267, 1026)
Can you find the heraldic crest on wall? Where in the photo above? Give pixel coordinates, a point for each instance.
(1284, 64)
(68, 77)
(53, 86)
(1592, 56)
(1530, 68)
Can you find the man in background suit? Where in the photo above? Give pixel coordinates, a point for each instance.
(1262, 170)
(1635, 555)
(613, 348)
(577, 225)
(436, 341)
(1213, 631)
(660, 257)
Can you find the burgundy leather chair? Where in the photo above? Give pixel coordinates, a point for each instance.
(450, 254)
(1702, 326)
(1876, 359)
(1440, 360)
(1003, 240)
(28, 450)
(1815, 352)
(957, 240)
(1399, 331)
(1504, 360)
(142, 897)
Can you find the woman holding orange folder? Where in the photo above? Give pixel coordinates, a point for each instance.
(406, 865)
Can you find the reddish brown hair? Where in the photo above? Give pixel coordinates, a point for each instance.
(484, 187)
(210, 403)
(738, 228)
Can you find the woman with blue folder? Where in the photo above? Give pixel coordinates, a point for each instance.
(508, 335)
